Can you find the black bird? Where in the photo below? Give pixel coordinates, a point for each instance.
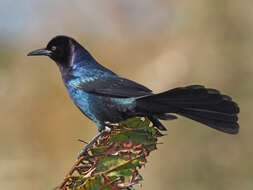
(103, 96)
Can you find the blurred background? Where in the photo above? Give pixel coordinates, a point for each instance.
(161, 44)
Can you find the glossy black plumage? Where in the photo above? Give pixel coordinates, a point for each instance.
(116, 87)
(103, 96)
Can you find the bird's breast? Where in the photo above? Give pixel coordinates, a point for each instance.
(80, 98)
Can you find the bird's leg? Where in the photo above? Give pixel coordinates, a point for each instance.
(93, 140)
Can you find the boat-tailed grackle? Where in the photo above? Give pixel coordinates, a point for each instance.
(103, 96)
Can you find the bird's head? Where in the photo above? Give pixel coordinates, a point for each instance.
(64, 50)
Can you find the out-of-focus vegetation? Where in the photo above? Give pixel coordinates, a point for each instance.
(161, 44)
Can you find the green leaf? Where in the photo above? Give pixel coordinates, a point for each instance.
(115, 158)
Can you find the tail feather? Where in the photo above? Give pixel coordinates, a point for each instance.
(207, 106)
(221, 125)
(219, 116)
(224, 106)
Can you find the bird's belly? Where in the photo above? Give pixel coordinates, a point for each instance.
(100, 108)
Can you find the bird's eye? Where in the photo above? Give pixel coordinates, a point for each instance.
(53, 48)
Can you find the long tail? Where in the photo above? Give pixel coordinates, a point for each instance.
(207, 106)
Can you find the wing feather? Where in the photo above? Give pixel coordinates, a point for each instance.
(114, 87)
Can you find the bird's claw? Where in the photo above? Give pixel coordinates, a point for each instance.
(107, 129)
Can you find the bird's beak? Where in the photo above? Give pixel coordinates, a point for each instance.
(42, 51)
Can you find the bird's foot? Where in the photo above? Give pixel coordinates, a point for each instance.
(84, 151)
(106, 129)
